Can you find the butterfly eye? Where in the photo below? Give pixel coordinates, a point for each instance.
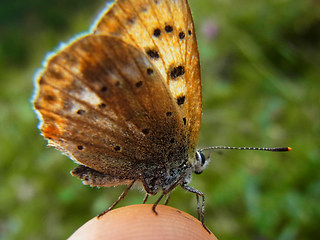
(202, 158)
(200, 162)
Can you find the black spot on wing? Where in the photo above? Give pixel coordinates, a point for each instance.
(182, 35)
(131, 20)
(81, 112)
(150, 71)
(177, 72)
(102, 105)
(157, 32)
(180, 100)
(145, 131)
(153, 53)
(168, 28)
(139, 84)
(104, 89)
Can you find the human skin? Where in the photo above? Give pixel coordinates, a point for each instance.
(140, 222)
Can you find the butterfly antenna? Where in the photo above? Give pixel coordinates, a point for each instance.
(277, 149)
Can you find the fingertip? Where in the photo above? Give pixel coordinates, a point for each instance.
(140, 222)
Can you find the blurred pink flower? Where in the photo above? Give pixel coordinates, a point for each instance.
(209, 29)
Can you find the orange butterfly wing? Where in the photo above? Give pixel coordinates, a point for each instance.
(164, 31)
(116, 117)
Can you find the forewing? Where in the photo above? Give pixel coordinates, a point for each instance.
(164, 31)
(104, 104)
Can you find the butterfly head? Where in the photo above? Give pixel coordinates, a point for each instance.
(201, 162)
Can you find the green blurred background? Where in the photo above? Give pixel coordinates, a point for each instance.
(260, 73)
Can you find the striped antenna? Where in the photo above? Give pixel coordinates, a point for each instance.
(278, 149)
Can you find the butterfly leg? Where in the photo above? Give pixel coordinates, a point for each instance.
(119, 199)
(198, 206)
(166, 192)
(145, 198)
(156, 203)
(200, 211)
(167, 199)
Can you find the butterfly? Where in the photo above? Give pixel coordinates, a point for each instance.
(124, 102)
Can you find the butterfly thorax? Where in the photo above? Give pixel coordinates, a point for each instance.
(168, 169)
(166, 179)
(173, 175)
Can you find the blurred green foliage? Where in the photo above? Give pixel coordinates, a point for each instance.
(260, 73)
